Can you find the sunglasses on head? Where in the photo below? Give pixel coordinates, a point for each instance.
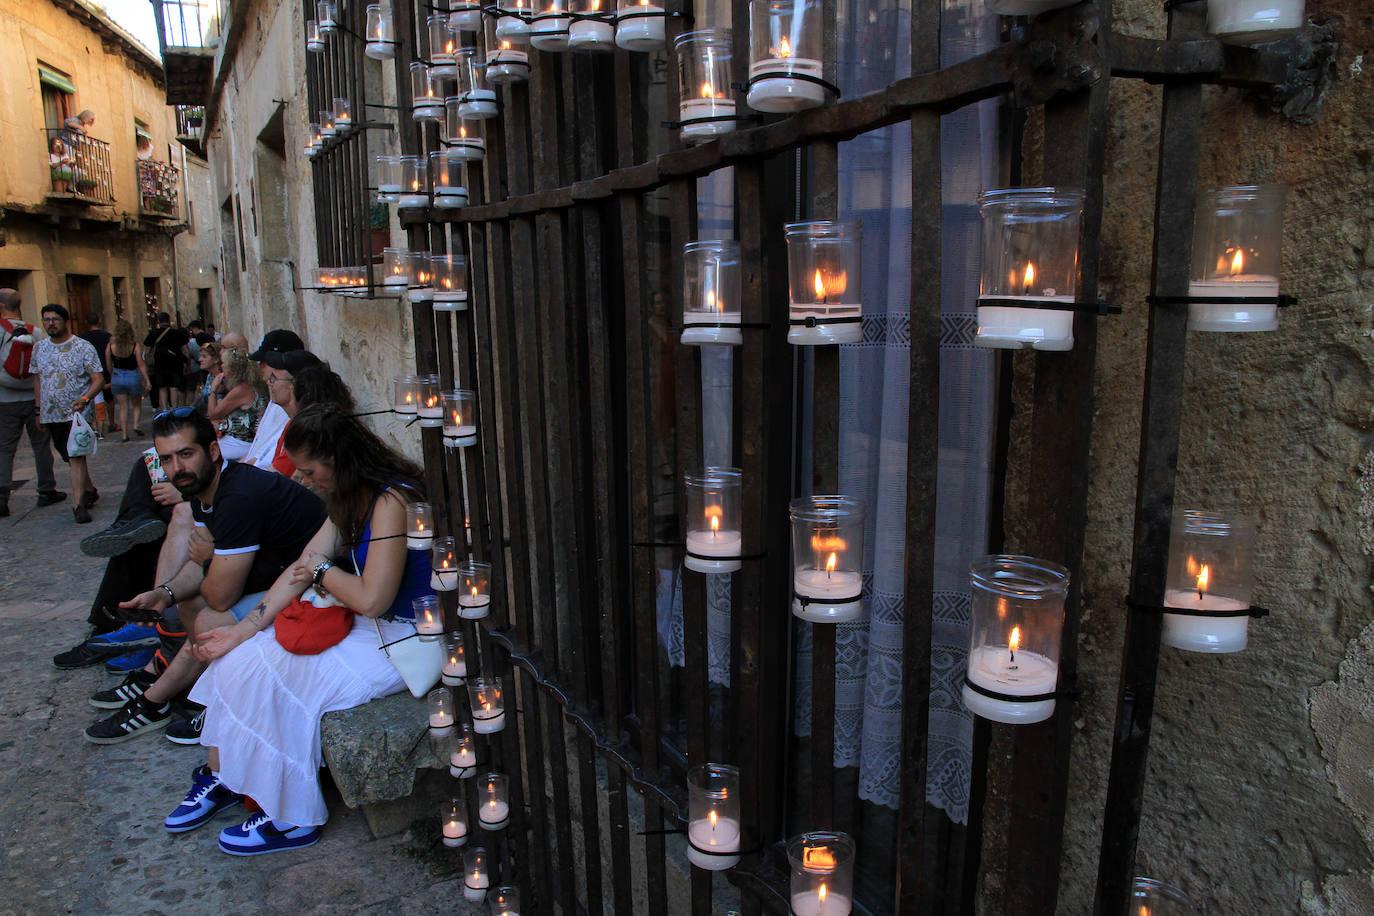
(180, 413)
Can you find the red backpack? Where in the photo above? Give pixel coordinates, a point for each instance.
(17, 354)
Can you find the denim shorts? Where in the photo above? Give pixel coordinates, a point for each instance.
(127, 382)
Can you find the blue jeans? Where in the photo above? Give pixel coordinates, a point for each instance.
(127, 382)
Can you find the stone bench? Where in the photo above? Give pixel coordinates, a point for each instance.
(368, 750)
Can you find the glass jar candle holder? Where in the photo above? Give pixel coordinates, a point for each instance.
(395, 270)
(455, 670)
(388, 179)
(326, 15)
(1247, 22)
(419, 526)
(493, 794)
(713, 816)
(316, 138)
(1029, 278)
(507, 62)
(443, 575)
(1237, 237)
(504, 901)
(440, 704)
(448, 178)
(431, 411)
(488, 705)
(343, 116)
(450, 283)
(429, 617)
(549, 26)
(465, 15)
(715, 541)
(414, 183)
(327, 130)
(443, 44)
(640, 25)
(314, 41)
(419, 279)
(822, 864)
(476, 880)
(1017, 624)
(426, 100)
(597, 31)
(823, 259)
(1155, 898)
(462, 755)
(460, 418)
(310, 150)
(453, 822)
(474, 592)
(1210, 582)
(406, 401)
(827, 558)
(354, 280)
(786, 72)
(513, 21)
(478, 98)
(324, 279)
(711, 293)
(703, 60)
(463, 139)
(379, 32)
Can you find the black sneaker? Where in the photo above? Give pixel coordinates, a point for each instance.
(82, 514)
(137, 717)
(186, 728)
(50, 497)
(82, 655)
(131, 688)
(5, 507)
(123, 536)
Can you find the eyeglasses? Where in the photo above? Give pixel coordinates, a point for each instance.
(180, 413)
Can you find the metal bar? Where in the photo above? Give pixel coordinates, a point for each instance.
(1179, 151)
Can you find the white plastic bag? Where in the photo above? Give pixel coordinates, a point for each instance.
(81, 440)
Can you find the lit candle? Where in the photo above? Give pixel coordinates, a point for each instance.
(822, 874)
(455, 669)
(419, 526)
(444, 565)
(440, 710)
(454, 822)
(549, 30)
(839, 591)
(429, 616)
(1047, 328)
(513, 28)
(494, 812)
(505, 64)
(475, 878)
(714, 834)
(466, 16)
(407, 392)
(1232, 280)
(381, 45)
(504, 901)
(388, 177)
(447, 176)
(1012, 671)
(823, 260)
(462, 759)
(714, 540)
(705, 546)
(488, 705)
(460, 428)
(474, 598)
(777, 89)
(640, 26)
(592, 34)
(431, 408)
(709, 102)
(1199, 633)
(314, 41)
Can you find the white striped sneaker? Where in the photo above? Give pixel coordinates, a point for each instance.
(131, 688)
(137, 717)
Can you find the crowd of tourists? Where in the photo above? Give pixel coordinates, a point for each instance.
(256, 564)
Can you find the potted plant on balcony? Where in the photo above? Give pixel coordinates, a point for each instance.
(85, 185)
(195, 117)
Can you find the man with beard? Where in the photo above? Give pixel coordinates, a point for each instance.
(250, 525)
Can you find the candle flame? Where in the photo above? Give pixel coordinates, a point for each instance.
(1028, 278)
(713, 818)
(820, 285)
(785, 47)
(709, 92)
(1237, 262)
(1204, 578)
(1014, 642)
(711, 304)
(830, 564)
(818, 858)
(715, 523)
(474, 591)
(505, 45)
(822, 893)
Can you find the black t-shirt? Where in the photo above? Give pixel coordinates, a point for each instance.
(166, 344)
(98, 338)
(263, 513)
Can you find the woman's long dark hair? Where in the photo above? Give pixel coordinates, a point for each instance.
(363, 465)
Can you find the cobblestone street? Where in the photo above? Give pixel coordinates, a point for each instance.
(83, 823)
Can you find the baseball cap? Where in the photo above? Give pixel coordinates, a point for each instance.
(279, 341)
(292, 361)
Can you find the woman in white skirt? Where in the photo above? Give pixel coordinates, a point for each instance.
(262, 703)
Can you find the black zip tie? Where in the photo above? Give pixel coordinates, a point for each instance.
(812, 321)
(641, 14)
(1252, 611)
(498, 62)
(678, 831)
(378, 104)
(805, 600)
(1282, 301)
(371, 413)
(1015, 698)
(741, 557)
(785, 75)
(674, 125)
(1036, 302)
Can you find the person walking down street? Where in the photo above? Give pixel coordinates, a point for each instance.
(129, 378)
(167, 356)
(69, 377)
(18, 413)
(96, 335)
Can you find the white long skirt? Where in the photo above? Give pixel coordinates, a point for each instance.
(263, 707)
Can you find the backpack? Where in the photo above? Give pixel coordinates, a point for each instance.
(16, 351)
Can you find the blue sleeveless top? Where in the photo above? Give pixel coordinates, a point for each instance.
(414, 581)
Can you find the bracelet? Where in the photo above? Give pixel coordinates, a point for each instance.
(171, 595)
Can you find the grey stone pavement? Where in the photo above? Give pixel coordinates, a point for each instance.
(81, 825)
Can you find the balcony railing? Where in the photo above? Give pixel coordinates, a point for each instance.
(190, 119)
(157, 188)
(79, 166)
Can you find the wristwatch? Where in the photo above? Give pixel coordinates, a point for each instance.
(324, 567)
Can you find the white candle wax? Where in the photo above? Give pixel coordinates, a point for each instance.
(326, 131)
(550, 33)
(420, 540)
(428, 109)
(443, 580)
(1247, 21)
(725, 544)
(467, 149)
(591, 35)
(465, 431)
(470, 600)
(819, 584)
(450, 301)
(507, 66)
(464, 758)
(641, 33)
(1205, 634)
(781, 93)
(825, 334)
(316, 46)
(488, 726)
(429, 625)
(692, 109)
(466, 20)
(389, 187)
(441, 720)
(405, 407)
(455, 833)
(448, 197)
(1207, 316)
(1010, 328)
(420, 294)
(432, 417)
(809, 904)
(380, 50)
(475, 886)
(512, 28)
(478, 105)
(413, 200)
(494, 814)
(992, 668)
(722, 837)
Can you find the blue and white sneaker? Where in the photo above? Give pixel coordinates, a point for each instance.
(258, 836)
(208, 797)
(129, 636)
(130, 661)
